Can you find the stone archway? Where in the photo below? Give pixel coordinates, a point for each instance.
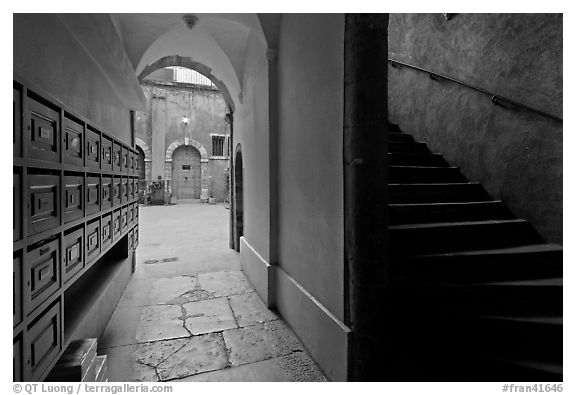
(203, 160)
(147, 157)
(184, 61)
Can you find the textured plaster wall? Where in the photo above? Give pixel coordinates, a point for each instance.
(310, 75)
(517, 156)
(161, 125)
(251, 131)
(46, 54)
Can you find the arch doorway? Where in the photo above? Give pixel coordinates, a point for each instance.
(186, 173)
(238, 199)
(141, 164)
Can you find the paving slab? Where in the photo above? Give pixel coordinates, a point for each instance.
(249, 309)
(260, 342)
(224, 283)
(161, 322)
(180, 320)
(122, 327)
(210, 315)
(200, 354)
(164, 290)
(297, 366)
(122, 365)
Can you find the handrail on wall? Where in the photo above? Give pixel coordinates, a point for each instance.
(496, 99)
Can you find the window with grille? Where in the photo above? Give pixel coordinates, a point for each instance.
(219, 145)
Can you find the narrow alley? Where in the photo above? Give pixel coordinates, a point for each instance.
(189, 314)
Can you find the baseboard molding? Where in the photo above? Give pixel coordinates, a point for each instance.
(258, 271)
(325, 337)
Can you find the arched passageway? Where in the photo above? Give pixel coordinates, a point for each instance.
(186, 174)
(238, 198)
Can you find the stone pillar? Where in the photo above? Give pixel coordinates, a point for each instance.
(365, 189)
(272, 57)
(232, 220)
(159, 125)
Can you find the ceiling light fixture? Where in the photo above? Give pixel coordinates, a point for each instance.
(190, 20)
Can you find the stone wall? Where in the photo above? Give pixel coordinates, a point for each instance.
(516, 155)
(162, 129)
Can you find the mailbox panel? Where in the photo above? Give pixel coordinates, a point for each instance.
(117, 191)
(92, 240)
(42, 274)
(124, 219)
(17, 367)
(132, 167)
(45, 341)
(107, 192)
(73, 256)
(44, 192)
(17, 117)
(106, 153)
(136, 236)
(92, 194)
(117, 157)
(106, 230)
(130, 215)
(116, 224)
(125, 159)
(17, 288)
(17, 209)
(131, 239)
(43, 130)
(92, 149)
(73, 197)
(73, 142)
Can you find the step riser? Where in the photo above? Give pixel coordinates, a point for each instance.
(447, 213)
(418, 175)
(436, 193)
(406, 368)
(510, 301)
(461, 238)
(406, 148)
(431, 160)
(400, 138)
(394, 128)
(479, 337)
(473, 269)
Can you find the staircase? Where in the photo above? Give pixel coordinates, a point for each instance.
(475, 293)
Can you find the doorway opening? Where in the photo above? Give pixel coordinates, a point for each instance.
(186, 174)
(238, 198)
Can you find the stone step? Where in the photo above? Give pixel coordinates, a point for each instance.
(400, 138)
(456, 346)
(446, 212)
(419, 175)
(511, 298)
(404, 148)
(538, 261)
(434, 160)
(437, 193)
(414, 239)
(393, 128)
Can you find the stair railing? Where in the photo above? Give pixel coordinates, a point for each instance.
(496, 99)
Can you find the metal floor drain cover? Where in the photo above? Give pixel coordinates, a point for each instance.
(165, 260)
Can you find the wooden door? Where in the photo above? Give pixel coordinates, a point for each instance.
(186, 183)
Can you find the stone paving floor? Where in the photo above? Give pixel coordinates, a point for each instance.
(196, 318)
